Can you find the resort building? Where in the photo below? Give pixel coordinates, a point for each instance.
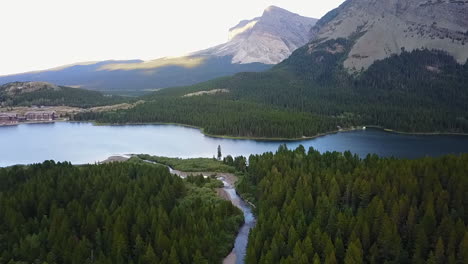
(40, 116)
(8, 118)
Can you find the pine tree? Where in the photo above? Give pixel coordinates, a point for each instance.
(331, 259)
(463, 249)
(439, 252)
(173, 257)
(150, 256)
(199, 259)
(316, 259)
(354, 253)
(219, 152)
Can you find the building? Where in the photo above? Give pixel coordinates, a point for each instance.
(40, 116)
(8, 118)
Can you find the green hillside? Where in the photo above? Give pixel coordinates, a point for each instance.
(46, 94)
(311, 92)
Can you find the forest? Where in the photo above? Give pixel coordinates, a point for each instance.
(338, 208)
(310, 93)
(65, 96)
(220, 117)
(111, 213)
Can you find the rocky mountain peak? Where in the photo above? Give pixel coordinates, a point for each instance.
(268, 39)
(388, 27)
(274, 10)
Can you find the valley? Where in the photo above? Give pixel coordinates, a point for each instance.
(338, 140)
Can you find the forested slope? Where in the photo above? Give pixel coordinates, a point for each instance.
(421, 91)
(220, 117)
(114, 213)
(311, 92)
(45, 94)
(336, 208)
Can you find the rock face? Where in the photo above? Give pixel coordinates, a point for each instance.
(268, 39)
(385, 27)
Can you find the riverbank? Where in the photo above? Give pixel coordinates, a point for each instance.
(36, 122)
(229, 193)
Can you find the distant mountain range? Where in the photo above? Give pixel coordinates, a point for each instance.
(254, 45)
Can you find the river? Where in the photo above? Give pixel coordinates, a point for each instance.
(239, 251)
(86, 143)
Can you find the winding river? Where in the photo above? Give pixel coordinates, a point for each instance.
(240, 245)
(239, 251)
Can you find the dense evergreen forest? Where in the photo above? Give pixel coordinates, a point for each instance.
(220, 117)
(311, 92)
(337, 208)
(65, 96)
(113, 213)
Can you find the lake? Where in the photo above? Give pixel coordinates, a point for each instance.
(85, 143)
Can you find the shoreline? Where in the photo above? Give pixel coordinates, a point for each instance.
(202, 130)
(34, 122)
(274, 139)
(350, 129)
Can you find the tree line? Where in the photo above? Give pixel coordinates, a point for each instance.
(64, 96)
(219, 117)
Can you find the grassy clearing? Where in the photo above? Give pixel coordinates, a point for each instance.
(191, 165)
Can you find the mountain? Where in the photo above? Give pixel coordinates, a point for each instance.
(418, 85)
(384, 28)
(268, 39)
(47, 94)
(253, 46)
(132, 76)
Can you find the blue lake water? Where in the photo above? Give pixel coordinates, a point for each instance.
(85, 143)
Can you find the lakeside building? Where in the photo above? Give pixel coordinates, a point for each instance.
(13, 118)
(9, 118)
(40, 116)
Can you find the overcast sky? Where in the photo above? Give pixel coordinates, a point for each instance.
(40, 34)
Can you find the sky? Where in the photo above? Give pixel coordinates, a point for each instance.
(41, 34)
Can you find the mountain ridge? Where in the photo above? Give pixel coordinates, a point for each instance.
(243, 55)
(268, 39)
